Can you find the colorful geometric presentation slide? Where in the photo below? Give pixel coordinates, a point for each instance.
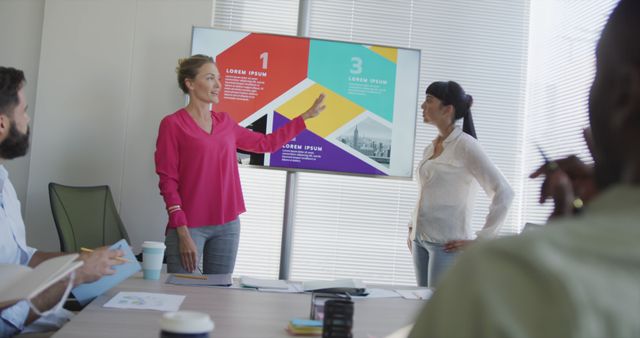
(371, 93)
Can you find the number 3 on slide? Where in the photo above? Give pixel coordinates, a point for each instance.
(356, 65)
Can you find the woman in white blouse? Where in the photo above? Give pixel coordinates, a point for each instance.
(441, 222)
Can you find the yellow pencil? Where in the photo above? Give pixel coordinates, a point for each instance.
(179, 275)
(117, 258)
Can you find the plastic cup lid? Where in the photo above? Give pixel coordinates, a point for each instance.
(153, 245)
(186, 322)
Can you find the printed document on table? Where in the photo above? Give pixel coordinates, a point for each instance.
(145, 301)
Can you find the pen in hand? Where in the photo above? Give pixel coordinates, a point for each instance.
(551, 165)
(122, 259)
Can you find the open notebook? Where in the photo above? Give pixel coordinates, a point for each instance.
(21, 282)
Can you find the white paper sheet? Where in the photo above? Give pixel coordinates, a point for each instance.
(379, 293)
(260, 283)
(292, 288)
(415, 293)
(221, 280)
(145, 301)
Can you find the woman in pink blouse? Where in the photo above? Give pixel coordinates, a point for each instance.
(199, 180)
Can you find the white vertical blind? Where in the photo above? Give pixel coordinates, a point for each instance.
(561, 68)
(357, 227)
(259, 250)
(272, 16)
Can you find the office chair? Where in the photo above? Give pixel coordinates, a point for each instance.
(85, 217)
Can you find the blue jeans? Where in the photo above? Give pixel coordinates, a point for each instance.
(217, 248)
(430, 261)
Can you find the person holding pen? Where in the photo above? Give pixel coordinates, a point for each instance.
(198, 171)
(451, 164)
(568, 181)
(14, 143)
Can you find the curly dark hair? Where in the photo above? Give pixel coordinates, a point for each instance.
(11, 81)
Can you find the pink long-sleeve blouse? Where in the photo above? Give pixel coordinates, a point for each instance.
(199, 171)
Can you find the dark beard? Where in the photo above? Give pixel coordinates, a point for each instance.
(16, 144)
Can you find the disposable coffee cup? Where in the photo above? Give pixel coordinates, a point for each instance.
(185, 324)
(152, 255)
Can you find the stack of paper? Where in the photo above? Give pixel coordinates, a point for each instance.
(421, 293)
(305, 327)
(250, 282)
(377, 293)
(352, 287)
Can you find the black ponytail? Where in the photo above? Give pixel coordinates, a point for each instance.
(451, 93)
(467, 124)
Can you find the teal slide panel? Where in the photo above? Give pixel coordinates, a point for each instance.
(355, 72)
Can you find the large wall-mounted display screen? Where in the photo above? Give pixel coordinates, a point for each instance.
(368, 127)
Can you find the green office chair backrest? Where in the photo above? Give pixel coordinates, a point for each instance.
(85, 217)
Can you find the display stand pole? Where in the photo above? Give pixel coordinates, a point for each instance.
(288, 218)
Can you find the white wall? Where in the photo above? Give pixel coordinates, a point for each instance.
(20, 35)
(106, 79)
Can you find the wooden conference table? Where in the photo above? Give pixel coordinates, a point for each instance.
(235, 312)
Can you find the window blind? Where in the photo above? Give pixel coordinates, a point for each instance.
(561, 68)
(528, 66)
(273, 16)
(355, 227)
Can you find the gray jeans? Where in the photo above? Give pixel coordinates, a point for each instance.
(217, 248)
